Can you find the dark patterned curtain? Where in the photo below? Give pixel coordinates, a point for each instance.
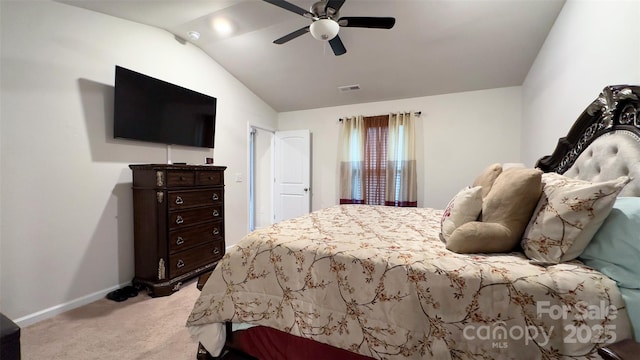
(376, 130)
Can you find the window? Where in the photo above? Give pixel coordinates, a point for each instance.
(375, 159)
(378, 163)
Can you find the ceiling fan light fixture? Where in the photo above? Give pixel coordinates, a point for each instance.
(324, 29)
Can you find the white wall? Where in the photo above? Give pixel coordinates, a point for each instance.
(458, 135)
(66, 210)
(591, 45)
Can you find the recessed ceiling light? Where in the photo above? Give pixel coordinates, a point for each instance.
(193, 35)
(222, 26)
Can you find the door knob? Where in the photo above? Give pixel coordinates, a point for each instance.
(306, 189)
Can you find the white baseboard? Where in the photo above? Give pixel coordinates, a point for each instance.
(59, 309)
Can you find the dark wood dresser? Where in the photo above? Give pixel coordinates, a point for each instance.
(178, 224)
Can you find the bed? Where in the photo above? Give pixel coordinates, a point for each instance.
(359, 281)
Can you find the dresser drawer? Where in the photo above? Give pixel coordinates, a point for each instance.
(194, 258)
(186, 238)
(184, 218)
(187, 199)
(177, 178)
(210, 178)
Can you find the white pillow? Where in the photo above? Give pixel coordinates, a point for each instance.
(465, 207)
(568, 214)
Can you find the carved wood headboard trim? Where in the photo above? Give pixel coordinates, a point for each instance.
(617, 108)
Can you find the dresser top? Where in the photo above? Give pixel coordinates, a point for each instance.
(175, 167)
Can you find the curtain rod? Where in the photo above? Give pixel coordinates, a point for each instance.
(417, 113)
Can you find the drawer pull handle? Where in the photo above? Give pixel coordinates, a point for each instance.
(179, 220)
(215, 213)
(182, 178)
(180, 264)
(216, 251)
(180, 240)
(179, 200)
(215, 197)
(210, 177)
(215, 231)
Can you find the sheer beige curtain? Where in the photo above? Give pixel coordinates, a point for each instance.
(401, 186)
(352, 160)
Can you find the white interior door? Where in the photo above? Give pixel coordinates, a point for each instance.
(292, 174)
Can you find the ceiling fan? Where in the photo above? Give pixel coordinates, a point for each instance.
(326, 22)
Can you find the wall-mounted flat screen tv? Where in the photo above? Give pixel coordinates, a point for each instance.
(153, 110)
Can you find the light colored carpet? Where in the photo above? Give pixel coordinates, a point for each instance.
(141, 327)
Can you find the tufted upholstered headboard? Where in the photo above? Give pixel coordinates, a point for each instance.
(604, 143)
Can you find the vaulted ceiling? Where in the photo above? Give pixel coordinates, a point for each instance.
(435, 47)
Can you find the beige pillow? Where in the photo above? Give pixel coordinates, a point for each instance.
(506, 212)
(569, 213)
(464, 207)
(487, 177)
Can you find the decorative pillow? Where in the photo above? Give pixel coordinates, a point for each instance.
(569, 213)
(615, 248)
(464, 207)
(506, 211)
(487, 177)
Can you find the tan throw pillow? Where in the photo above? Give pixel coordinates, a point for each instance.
(569, 213)
(506, 212)
(487, 177)
(464, 207)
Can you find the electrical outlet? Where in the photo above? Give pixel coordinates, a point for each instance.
(238, 177)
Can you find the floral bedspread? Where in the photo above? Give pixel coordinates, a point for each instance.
(378, 281)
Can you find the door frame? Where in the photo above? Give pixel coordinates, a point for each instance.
(251, 129)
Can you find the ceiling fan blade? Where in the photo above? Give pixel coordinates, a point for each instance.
(289, 6)
(367, 22)
(337, 46)
(335, 4)
(292, 35)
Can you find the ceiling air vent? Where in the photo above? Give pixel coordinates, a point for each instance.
(347, 88)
